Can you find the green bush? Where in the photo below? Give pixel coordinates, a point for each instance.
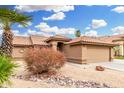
(6, 69)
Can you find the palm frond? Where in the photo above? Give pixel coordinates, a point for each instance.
(6, 69)
(9, 17)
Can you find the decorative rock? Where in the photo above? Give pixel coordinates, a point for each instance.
(100, 68)
(65, 81)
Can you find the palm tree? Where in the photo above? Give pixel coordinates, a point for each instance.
(7, 19)
(78, 33)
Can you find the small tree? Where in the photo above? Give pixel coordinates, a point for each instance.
(78, 33)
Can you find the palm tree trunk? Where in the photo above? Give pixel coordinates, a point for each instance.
(6, 45)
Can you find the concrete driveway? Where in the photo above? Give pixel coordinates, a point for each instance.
(115, 65)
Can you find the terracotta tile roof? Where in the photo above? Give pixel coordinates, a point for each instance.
(111, 38)
(31, 40)
(58, 37)
(38, 40)
(91, 40)
(21, 40)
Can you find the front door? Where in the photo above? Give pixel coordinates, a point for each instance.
(60, 46)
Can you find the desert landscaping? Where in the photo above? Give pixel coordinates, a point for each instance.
(77, 72)
(37, 54)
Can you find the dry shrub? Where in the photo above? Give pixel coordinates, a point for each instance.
(41, 60)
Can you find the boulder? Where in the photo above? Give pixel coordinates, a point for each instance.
(100, 68)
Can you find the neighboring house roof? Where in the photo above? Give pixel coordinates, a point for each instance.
(30, 40)
(38, 40)
(90, 40)
(21, 40)
(58, 38)
(113, 38)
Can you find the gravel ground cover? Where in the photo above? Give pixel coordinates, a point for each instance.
(63, 81)
(70, 76)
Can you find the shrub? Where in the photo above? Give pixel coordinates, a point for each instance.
(43, 59)
(6, 69)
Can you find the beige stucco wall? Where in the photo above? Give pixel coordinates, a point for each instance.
(76, 53)
(84, 53)
(97, 53)
(54, 44)
(19, 52)
(73, 53)
(88, 53)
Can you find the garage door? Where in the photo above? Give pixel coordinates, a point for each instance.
(97, 54)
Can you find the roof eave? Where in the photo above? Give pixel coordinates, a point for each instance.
(40, 44)
(19, 45)
(92, 43)
(57, 39)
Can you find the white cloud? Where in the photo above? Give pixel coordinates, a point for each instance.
(47, 29)
(20, 26)
(119, 9)
(1, 31)
(54, 8)
(16, 32)
(95, 24)
(28, 23)
(115, 33)
(56, 16)
(91, 33)
(118, 29)
(87, 28)
(31, 32)
(98, 23)
(34, 32)
(44, 34)
(65, 31)
(1, 25)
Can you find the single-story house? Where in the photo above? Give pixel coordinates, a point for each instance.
(118, 39)
(21, 43)
(83, 49)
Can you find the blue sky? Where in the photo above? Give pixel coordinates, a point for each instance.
(65, 20)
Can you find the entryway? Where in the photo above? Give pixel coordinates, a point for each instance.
(60, 46)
